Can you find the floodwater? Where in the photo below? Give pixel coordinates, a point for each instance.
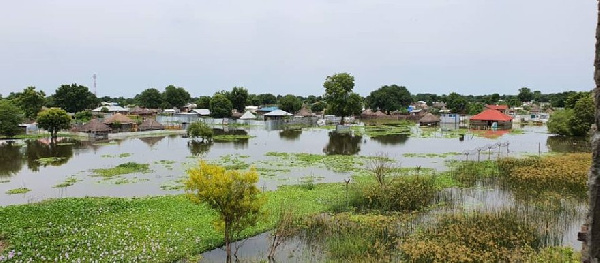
(170, 156)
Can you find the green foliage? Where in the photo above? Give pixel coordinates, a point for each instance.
(83, 116)
(10, 118)
(318, 106)
(233, 194)
(474, 108)
(238, 97)
(341, 101)
(525, 94)
(573, 122)
(15, 191)
(220, 106)
(573, 97)
(175, 97)
(559, 122)
(124, 168)
(53, 120)
(476, 237)
(456, 103)
(389, 98)
(203, 102)
(267, 99)
(402, 193)
(150, 98)
(68, 182)
(290, 103)
(200, 129)
(30, 101)
(74, 98)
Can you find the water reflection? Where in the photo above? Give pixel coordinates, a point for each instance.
(11, 159)
(564, 144)
(391, 139)
(37, 149)
(151, 141)
(290, 134)
(238, 143)
(199, 148)
(342, 143)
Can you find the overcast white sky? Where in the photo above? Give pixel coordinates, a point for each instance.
(281, 47)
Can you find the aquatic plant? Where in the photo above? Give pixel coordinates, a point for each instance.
(20, 190)
(68, 182)
(50, 160)
(401, 193)
(231, 137)
(124, 168)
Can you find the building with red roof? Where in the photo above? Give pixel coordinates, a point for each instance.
(489, 119)
(500, 108)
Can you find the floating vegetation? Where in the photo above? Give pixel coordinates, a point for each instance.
(173, 185)
(123, 180)
(15, 191)
(50, 160)
(122, 155)
(68, 182)
(231, 137)
(272, 171)
(337, 163)
(231, 162)
(431, 155)
(124, 168)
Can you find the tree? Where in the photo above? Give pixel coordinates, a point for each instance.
(341, 101)
(389, 98)
(253, 100)
(10, 118)
(238, 97)
(200, 129)
(74, 98)
(232, 194)
(203, 102)
(456, 103)
(220, 106)
(583, 116)
(84, 116)
(559, 122)
(266, 99)
(175, 97)
(290, 103)
(474, 108)
(150, 98)
(525, 94)
(318, 106)
(54, 120)
(30, 101)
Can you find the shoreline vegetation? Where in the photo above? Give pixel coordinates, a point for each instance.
(385, 214)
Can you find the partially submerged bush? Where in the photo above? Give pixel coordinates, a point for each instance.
(402, 193)
(477, 237)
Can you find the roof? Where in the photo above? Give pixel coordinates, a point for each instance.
(141, 111)
(202, 112)
(430, 118)
(491, 115)
(248, 116)
(278, 113)
(111, 108)
(120, 118)
(367, 112)
(497, 107)
(304, 112)
(94, 125)
(379, 113)
(151, 124)
(268, 109)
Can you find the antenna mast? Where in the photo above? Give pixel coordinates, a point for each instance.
(94, 77)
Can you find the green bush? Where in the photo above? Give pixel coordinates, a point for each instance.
(406, 193)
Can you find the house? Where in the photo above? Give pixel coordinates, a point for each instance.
(500, 108)
(248, 116)
(251, 109)
(429, 120)
(120, 122)
(150, 125)
(142, 111)
(202, 112)
(110, 107)
(276, 115)
(490, 119)
(264, 110)
(95, 129)
(450, 118)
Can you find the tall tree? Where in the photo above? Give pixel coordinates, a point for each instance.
(220, 106)
(30, 101)
(74, 98)
(150, 98)
(203, 102)
(593, 219)
(456, 103)
(389, 98)
(525, 94)
(175, 97)
(338, 94)
(267, 98)
(238, 97)
(10, 118)
(54, 120)
(232, 194)
(290, 103)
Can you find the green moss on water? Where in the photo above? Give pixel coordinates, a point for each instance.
(68, 182)
(231, 138)
(124, 168)
(50, 160)
(15, 191)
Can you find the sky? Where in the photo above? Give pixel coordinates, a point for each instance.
(290, 47)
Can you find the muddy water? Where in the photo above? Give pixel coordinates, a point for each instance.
(170, 155)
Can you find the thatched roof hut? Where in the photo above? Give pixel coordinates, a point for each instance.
(304, 112)
(379, 113)
(367, 113)
(94, 126)
(150, 124)
(429, 120)
(236, 115)
(119, 118)
(142, 111)
(248, 116)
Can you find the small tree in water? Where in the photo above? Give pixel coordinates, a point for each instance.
(200, 129)
(233, 194)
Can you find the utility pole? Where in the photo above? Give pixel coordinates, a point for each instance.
(94, 77)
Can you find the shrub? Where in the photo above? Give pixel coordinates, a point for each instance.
(400, 194)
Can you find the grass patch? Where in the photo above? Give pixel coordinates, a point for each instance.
(15, 191)
(122, 155)
(68, 182)
(118, 229)
(231, 137)
(124, 168)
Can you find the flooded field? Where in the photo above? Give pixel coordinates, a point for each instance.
(69, 168)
